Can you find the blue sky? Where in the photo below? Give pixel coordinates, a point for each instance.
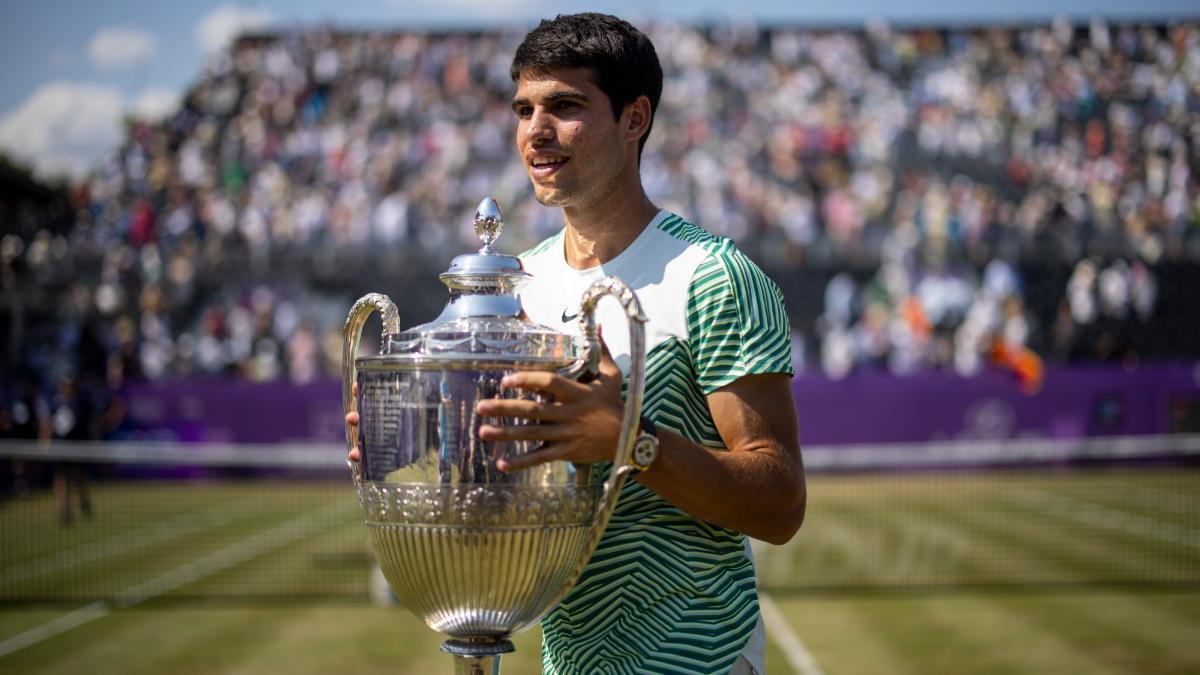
(73, 68)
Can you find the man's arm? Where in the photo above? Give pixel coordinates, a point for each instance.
(755, 487)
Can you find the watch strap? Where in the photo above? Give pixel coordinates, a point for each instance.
(647, 426)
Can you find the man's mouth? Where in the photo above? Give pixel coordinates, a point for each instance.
(542, 167)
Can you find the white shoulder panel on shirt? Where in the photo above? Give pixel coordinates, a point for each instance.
(659, 268)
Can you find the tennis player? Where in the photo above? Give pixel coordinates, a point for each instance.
(670, 589)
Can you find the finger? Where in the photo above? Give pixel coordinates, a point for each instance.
(544, 382)
(352, 417)
(524, 408)
(352, 420)
(525, 432)
(531, 459)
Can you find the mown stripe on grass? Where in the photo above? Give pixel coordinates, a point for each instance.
(911, 531)
(1026, 547)
(105, 575)
(1094, 515)
(996, 545)
(974, 633)
(1127, 631)
(260, 543)
(1172, 496)
(130, 537)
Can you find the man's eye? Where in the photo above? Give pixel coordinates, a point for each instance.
(523, 112)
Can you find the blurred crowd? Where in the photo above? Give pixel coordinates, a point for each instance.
(932, 163)
(953, 320)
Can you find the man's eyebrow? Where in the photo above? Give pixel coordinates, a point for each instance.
(554, 96)
(569, 93)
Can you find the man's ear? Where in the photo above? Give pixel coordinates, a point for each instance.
(638, 118)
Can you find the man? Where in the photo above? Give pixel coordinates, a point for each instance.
(671, 586)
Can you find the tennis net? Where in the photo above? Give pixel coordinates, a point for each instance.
(172, 522)
(1081, 512)
(133, 522)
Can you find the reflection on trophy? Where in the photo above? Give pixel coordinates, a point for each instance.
(477, 553)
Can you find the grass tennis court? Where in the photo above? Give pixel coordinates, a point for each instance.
(977, 632)
(1052, 570)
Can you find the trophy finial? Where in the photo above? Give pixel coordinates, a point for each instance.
(489, 222)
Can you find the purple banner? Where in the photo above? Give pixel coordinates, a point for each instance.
(1072, 403)
(217, 411)
(863, 408)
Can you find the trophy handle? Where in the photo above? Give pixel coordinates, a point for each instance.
(351, 336)
(633, 399)
(587, 367)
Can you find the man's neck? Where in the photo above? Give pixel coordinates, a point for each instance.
(595, 236)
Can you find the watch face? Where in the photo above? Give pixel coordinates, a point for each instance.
(645, 451)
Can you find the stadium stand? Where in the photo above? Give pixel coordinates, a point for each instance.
(929, 199)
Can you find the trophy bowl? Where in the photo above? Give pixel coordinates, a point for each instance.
(479, 563)
(477, 553)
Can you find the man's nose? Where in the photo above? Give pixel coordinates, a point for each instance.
(539, 126)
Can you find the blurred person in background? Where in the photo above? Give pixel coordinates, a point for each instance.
(73, 418)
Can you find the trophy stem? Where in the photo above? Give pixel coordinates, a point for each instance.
(477, 657)
(476, 665)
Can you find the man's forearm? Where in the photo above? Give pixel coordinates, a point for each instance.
(757, 491)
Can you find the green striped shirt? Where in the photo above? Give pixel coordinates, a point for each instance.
(665, 592)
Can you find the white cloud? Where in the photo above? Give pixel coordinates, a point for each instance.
(155, 103)
(64, 127)
(223, 24)
(117, 47)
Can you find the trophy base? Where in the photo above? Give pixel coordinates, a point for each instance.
(477, 657)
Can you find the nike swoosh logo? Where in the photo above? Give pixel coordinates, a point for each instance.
(572, 317)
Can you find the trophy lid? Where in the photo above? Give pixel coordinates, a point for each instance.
(483, 321)
(486, 269)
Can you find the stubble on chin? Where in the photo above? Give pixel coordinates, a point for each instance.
(551, 198)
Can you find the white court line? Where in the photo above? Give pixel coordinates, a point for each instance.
(798, 656)
(249, 548)
(53, 627)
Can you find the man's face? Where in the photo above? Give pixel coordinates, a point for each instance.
(567, 138)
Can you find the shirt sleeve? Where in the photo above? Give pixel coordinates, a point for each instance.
(737, 324)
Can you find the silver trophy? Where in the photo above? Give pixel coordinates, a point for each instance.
(476, 553)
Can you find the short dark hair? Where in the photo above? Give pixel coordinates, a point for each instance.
(622, 59)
